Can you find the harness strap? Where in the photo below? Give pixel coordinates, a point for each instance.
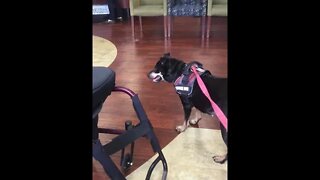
(223, 119)
(184, 83)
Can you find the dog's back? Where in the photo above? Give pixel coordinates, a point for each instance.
(217, 88)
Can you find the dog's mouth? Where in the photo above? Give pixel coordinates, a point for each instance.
(156, 77)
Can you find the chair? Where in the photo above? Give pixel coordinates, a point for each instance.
(216, 8)
(187, 8)
(103, 85)
(148, 8)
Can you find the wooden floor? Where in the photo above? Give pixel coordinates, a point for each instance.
(136, 57)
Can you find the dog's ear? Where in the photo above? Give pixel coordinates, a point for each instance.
(166, 55)
(198, 64)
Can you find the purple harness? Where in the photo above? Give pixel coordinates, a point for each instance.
(184, 83)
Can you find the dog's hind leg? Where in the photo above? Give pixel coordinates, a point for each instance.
(224, 134)
(220, 159)
(223, 158)
(187, 106)
(197, 117)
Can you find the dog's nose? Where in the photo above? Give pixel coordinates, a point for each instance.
(151, 74)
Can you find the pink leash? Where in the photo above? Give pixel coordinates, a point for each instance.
(223, 119)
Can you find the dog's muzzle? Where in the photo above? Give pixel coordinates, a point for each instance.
(156, 77)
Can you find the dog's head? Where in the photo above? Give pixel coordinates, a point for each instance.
(166, 69)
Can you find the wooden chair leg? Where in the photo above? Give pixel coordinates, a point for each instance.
(169, 26)
(208, 26)
(132, 25)
(140, 22)
(203, 25)
(165, 26)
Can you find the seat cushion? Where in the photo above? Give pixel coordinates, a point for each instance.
(219, 10)
(103, 82)
(188, 10)
(148, 10)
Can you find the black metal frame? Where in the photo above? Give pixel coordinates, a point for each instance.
(102, 153)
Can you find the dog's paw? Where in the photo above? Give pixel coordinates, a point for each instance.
(220, 159)
(194, 121)
(181, 128)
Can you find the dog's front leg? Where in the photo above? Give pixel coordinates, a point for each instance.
(197, 117)
(187, 106)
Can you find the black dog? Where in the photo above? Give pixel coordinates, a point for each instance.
(178, 72)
